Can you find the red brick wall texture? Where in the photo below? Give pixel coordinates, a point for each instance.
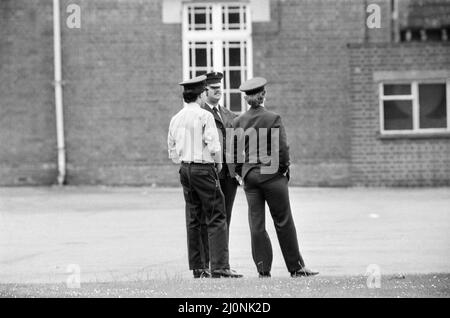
(121, 70)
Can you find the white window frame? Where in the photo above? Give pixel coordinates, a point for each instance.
(414, 97)
(217, 36)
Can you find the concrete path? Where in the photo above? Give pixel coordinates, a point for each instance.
(123, 234)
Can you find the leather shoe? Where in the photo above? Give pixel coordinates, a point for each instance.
(264, 275)
(202, 273)
(225, 273)
(303, 272)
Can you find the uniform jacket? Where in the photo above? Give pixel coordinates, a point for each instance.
(222, 125)
(257, 118)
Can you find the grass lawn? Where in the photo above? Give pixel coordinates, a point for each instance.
(426, 285)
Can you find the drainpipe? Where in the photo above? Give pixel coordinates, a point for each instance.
(366, 35)
(58, 93)
(395, 21)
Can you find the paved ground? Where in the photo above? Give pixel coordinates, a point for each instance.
(137, 234)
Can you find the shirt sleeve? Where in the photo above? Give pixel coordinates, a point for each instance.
(211, 136)
(171, 143)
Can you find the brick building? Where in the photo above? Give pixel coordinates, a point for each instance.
(362, 106)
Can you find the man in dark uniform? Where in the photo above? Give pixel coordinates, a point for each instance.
(223, 118)
(263, 184)
(193, 140)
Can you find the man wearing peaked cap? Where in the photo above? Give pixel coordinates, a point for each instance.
(223, 119)
(253, 86)
(214, 78)
(194, 142)
(263, 185)
(194, 85)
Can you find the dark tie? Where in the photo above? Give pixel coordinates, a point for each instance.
(216, 111)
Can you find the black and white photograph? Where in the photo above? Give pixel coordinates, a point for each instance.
(224, 154)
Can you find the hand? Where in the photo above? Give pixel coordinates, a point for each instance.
(219, 167)
(288, 174)
(239, 180)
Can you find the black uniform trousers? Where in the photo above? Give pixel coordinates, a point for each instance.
(228, 186)
(204, 201)
(275, 192)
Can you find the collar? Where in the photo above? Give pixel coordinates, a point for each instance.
(257, 107)
(212, 107)
(193, 104)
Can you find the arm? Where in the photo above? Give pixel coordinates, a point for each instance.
(171, 143)
(283, 146)
(211, 139)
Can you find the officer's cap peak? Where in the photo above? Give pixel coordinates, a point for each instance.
(193, 81)
(253, 85)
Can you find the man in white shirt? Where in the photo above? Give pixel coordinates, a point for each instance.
(193, 140)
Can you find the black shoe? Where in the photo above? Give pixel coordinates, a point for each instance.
(225, 273)
(264, 275)
(202, 273)
(303, 272)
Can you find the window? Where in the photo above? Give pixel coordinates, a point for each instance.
(415, 107)
(217, 37)
(417, 20)
(431, 34)
(199, 17)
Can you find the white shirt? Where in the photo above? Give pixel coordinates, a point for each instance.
(193, 136)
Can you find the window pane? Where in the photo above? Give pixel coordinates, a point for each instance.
(233, 18)
(397, 89)
(434, 34)
(245, 53)
(200, 57)
(200, 18)
(211, 58)
(224, 55)
(210, 19)
(432, 105)
(409, 35)
(190, 56)
(398, 115)
(235, 79)
(224, 96)
(235, 102)
(235, 56)
(198, 73)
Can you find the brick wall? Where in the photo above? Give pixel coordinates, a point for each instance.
(121, 71)
(302, 52)
(402, 161)
(27, 122)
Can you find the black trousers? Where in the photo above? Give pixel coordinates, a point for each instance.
(275, 192)
(204, 201)
(228, 187)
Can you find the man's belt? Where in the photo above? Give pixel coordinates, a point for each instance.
(197, 163)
